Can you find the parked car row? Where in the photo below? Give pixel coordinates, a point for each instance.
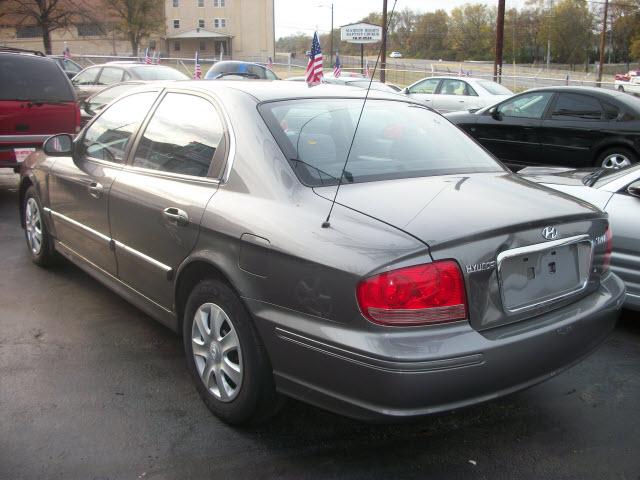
(289, 233)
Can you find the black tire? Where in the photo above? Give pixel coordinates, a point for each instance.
(44, 254)
(606, 157)
(255, 398)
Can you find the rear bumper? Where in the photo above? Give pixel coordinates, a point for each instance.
(397, 373)
(9, 142)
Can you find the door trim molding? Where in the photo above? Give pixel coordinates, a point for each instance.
(75, 223)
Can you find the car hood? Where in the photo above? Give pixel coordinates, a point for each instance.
(456, 208)
(569, 181)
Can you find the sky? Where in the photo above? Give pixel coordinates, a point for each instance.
(292, 16)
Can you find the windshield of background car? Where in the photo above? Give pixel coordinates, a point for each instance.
(33, 78)
(495, 88)
(158, 73)
(394, 140)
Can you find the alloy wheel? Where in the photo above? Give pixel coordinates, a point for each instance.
(216, 352)
(615, 161)
(33, 225)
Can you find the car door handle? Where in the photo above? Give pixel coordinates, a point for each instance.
(95, 189)
(176, 216)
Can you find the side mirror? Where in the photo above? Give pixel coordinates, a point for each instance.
(495, 113)
(406, 91)
(634, 189)
(60, 145)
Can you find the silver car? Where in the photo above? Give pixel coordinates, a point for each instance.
(617, 192)
(391, 272)
(452, 94)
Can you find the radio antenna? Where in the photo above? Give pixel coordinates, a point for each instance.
(326, 223)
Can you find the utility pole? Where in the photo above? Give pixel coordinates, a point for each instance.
(603, 37)
(331, 41)
(497, 64)
(383, 53)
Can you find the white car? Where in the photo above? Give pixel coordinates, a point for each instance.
(450, 94)
(395, 55)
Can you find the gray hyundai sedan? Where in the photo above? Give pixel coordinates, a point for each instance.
(438, 280)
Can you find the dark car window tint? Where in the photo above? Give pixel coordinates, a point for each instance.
(529, 105)
(571, 106)
(88, 77)
(107, 138)
(611, 112)
(393, 140)
(182, 136)
(33, 78)
(426, 86)
(110, 75)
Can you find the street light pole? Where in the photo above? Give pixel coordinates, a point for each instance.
(331, 41)
(383, 53)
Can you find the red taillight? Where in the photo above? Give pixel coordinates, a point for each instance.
(608, 248)
(419, 295)
(78, 119)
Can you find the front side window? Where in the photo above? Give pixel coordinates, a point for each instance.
(528, 105)
(107, 138)
(394, 140)
(573, 106)
(426, 86)
(183, 136)
(88, 77)
(453, 87)
(110, 75)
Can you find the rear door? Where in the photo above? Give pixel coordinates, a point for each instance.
(454, 95)
(36, 100)
(575, 123)
(425, 90)
(79, 195)
(512, 132)
(157, 202)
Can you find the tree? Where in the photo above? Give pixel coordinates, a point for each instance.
(471, 31)
(49, 15)
(571, 30)
(137, 19)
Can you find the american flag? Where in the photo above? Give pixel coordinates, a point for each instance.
(270, 64)
(337, 69)
(197, 73)
(66, 53)
(147, 58)
(313, 75)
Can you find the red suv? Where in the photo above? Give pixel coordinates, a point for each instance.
(36, 101)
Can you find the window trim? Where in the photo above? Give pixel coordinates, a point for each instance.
(228, 135)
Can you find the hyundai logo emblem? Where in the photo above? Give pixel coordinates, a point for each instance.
(549, 233)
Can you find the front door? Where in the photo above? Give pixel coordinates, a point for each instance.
(510, 130)
(157, 201)
(79, 192)
(424, 91)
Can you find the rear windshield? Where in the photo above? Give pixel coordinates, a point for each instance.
(394, 140)
(250, 69)
(158, 73)
(33, 78)
(495, 88)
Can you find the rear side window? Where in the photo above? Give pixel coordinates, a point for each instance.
(241, 69)
(572, 106)
(33, 78)
(107, 138)
(184, 136)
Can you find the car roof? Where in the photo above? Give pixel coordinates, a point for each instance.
(274, 90)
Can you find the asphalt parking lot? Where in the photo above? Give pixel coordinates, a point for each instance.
(91, 388)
